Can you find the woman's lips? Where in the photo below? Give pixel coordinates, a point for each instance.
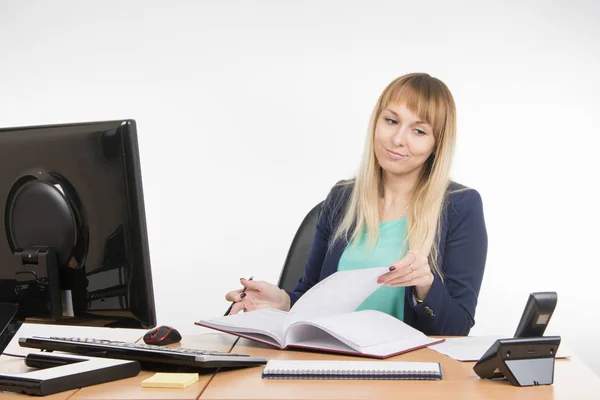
(396, 156)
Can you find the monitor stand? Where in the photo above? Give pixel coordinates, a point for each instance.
(37, 290)
(37, 282)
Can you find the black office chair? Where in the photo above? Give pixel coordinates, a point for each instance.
(297, 256)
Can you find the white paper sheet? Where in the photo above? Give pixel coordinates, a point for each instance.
(473, 347)
(339, 293)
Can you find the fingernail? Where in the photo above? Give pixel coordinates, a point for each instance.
(242, 295)
(379, 280)
(392, 268)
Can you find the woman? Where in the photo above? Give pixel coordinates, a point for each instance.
(401, 210)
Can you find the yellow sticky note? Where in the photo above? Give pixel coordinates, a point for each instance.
(170, 380)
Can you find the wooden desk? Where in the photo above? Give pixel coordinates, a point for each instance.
(127, 389)
(572, 380)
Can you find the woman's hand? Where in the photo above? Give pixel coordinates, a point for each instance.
(257, 295)
(412, 270)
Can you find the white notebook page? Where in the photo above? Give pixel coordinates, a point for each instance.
(263, 320)
(368, 328)
(339, 293)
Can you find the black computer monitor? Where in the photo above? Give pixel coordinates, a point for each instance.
(73, 240)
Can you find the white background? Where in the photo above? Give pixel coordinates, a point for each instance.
(248, 112)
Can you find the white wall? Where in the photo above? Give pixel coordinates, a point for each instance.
(249, 111)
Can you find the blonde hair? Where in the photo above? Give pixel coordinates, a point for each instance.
(430, 99)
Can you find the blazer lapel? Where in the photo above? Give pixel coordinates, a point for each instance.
(332, 259)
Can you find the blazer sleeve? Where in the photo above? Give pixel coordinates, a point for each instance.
(318, 248)
(449, 308)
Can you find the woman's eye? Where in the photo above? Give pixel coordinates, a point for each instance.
(420, 132)
(391, 121)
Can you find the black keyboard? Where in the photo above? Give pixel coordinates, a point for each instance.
(149, 356)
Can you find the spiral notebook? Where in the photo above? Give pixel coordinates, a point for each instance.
(323, 369)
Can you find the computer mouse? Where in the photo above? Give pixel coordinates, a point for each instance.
(162, 335)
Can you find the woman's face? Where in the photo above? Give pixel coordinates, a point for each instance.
(402, 142)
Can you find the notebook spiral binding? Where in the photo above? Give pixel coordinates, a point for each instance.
(370, 374)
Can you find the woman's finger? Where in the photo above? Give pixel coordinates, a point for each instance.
(409, 258)
(409, 277)
(243, 295)
(417, 278)
(398, 272)
(254, 285)
(392, 274)
(416, 281)
(231, 296)
(250, 306)
(237, 307)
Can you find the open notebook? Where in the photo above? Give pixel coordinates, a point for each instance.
(324, 319)
(323, 369)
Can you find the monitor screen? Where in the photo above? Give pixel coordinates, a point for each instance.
(73, 242)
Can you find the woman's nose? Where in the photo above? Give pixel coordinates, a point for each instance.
(399, 138)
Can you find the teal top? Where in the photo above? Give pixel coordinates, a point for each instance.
(388, 249)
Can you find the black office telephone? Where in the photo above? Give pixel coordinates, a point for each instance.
(528, 358)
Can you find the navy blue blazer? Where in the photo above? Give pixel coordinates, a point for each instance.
(449, 308)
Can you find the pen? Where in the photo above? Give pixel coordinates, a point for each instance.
(231, 306)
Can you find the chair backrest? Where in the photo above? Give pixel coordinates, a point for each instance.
(297, 256)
